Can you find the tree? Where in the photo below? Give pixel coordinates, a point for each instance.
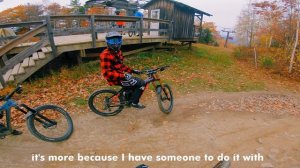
(53, 9)
(76, 8)
(33, 12)
(206, 36)
(271, 13)
(209, 34)
(247, 26)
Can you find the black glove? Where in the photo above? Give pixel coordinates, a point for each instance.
(137, 71)
(127, 76)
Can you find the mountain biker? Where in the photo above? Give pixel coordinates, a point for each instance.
(139, 13)
(116, 73)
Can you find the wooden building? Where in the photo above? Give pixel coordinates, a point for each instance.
(181, 14)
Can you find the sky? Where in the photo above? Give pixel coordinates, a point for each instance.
(225, 12)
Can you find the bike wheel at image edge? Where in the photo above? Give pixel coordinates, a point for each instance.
(165, 98)
(47, 131)
(106, 102)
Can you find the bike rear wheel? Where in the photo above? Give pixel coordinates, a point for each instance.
(131, 33)
(50, 123)
(165, 98)
(106, 102)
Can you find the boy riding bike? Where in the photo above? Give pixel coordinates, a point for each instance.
(116, 73)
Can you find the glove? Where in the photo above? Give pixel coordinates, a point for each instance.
(137, 71)
(127, 76)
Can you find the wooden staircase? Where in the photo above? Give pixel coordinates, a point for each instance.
(28, 66)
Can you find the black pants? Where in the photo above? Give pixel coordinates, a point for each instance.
(138, 87)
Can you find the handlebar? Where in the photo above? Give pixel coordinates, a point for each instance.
(18, 90)
(153, 71)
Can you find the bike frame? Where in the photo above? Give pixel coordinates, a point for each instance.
(156, 82)
(6, 107)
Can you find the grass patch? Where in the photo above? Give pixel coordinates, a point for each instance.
(203, 68)
(79, 101)
(267, 62)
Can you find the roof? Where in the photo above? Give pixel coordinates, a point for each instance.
(181, 5)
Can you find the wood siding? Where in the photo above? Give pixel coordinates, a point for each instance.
(183, 19)
(183, 24)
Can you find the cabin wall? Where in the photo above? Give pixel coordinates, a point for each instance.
(183, 18)
(183, 23)
(166, 11)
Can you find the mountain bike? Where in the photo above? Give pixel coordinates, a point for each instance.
(109, 102)
(47, 122)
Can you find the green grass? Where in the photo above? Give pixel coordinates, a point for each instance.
(79, 101)
(203, 68)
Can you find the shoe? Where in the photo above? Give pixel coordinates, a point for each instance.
(16, 132)
(139, 105)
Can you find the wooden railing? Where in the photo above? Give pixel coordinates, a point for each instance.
(52, 26)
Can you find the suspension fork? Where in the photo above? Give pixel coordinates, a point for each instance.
(8, 122)
(156, 77)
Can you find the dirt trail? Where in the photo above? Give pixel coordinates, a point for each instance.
(203, 123)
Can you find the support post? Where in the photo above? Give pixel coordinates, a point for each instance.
(200, 29)
(170, 30)
(94, 33)
(51, 36)
(141, 29)
(3, 60)
(2, 81)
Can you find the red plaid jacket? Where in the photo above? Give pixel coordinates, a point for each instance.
(112, 67)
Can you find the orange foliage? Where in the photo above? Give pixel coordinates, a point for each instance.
(96, 10)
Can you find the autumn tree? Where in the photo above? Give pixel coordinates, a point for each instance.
(33, 12)
(273, 26)
(209, 34)
(53, 9)
(247, 26)
(76, 7)
(21, 13)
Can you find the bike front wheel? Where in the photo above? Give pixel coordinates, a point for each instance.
(50, 123)
(165, 98)
(106, 102)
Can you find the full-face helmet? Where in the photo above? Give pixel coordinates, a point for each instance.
(114, 41)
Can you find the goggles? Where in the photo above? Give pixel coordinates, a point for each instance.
(114, 40)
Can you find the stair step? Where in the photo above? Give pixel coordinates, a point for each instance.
(25, 62)
(45, 50)
(49, 49)
(31, 62)
(35, 56)
(16, 69)
(41, 55)
(21, 70)
(8, 77)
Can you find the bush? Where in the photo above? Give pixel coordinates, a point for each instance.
(241, 52)
(267, 62)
